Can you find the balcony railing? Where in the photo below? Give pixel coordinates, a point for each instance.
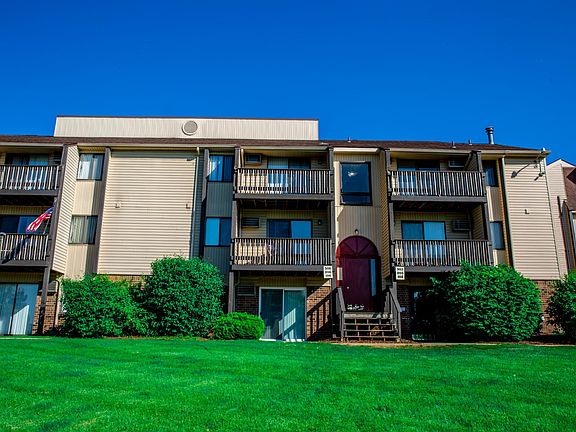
(441, 253)
(281, 251)
(23, 247)
(436, 183)
(282, 181)
(28, 177)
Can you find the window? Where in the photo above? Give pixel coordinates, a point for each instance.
(423, 231)
(490, 169)
(217, 231)
(220, 169)
(83, 229)
(418, 165)
(288, 163)
(17, 224)
(497, 234)
(284, 228)
(356, 184)
(27, 159)
(90, 166)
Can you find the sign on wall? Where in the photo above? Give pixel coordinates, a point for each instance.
(328, 273)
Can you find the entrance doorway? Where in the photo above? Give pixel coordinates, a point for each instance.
(284, 313)
(358, 263)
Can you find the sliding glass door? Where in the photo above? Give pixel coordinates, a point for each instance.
(17, 305)
(284, 313)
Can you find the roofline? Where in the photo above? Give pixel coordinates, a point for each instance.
(185, 117)
(561, 160)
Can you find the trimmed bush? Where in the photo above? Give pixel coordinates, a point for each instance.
(238, 325)
(96, 306)
(486, 303)
(183, 296)
(562, 306)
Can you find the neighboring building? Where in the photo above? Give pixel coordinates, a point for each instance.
(562, 184)
(319, 237)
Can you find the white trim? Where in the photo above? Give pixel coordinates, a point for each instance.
(283, 289)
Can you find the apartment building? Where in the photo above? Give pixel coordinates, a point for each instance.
(322, 238)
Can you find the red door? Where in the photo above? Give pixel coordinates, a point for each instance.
(357, 257)
(357, 283)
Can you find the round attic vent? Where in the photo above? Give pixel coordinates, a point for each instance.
(190, 127)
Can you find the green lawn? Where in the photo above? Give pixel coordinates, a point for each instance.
(163, 385)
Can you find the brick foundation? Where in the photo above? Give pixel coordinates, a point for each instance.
(546, 290)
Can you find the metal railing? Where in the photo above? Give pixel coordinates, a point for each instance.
(281, 251)
(28, 177)
(441, 253)
(436, 183)
(392, 308)
(283, 181)
(23, 247)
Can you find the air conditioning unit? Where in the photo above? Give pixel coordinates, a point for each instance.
(461, 225)
(456, 164)
(250, 222)
(253, 159)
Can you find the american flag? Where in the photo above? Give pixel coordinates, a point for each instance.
(35, 224)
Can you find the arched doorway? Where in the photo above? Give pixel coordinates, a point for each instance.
(358, 265)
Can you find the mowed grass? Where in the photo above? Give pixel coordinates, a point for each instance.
(55, 384)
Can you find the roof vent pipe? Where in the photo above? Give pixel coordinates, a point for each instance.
(490, 133)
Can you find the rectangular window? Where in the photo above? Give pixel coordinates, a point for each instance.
(90, 166)
(497, 234)
(423, 231)
(83, 230)
(217, 232)
(284, 228)
(220, 169)
(491, 172)
(355, 179)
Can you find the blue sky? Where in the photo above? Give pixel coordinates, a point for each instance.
(414, 70)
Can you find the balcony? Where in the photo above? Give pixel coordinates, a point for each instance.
(436, 186)
(281, 254)
(23, 249)
(283, 184)
(440, 255)
(28, 180)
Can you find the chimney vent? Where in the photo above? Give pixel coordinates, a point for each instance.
(490, 133)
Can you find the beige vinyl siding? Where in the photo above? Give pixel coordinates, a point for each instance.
(365, 219)
(385, 228)
(133, 127)
(495, 204)
(82, 260)
(557, 193)
(318, 231)
(88, 197)
(147, 209)
(531, 229)
(478, 223)
(65, 209)
(448, 218)
(220, 257)
(317, 161)
(22, 210)
(219, 199)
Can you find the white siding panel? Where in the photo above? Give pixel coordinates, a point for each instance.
(65, 210)
(172, 128)
(531, 229)
(147, 210)
(556, 192)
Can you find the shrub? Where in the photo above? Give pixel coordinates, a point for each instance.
(238, 325)
(183, 296)
(562, 306)
(486, 303)
(96, 306)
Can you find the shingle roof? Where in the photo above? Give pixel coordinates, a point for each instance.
(383, 144)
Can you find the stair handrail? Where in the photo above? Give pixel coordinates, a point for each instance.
(340, 309)
(395, 310)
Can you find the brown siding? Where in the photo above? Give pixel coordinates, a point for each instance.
(321, 230)
(219, 199)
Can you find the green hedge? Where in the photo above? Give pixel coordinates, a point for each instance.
(183, 296)
(486, 303)
(238, 325)
(562, 306)
(96, 306)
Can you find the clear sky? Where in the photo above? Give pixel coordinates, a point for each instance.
(412, 70)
